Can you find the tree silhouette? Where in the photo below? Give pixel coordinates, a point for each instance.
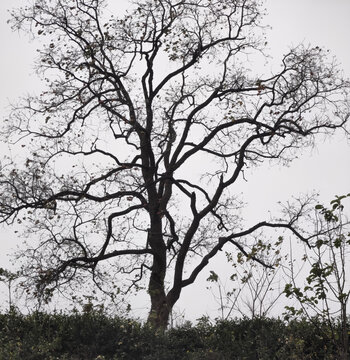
(147, 122)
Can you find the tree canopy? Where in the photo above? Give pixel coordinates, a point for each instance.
(126, 164)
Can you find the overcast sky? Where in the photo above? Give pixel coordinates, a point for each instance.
(326, 169)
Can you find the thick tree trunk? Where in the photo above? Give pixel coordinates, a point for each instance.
(160, 309)
(158, 317)
(161, 305)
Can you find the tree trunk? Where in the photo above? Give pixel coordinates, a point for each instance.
(344, 335)
(158, 317)
(160, 309)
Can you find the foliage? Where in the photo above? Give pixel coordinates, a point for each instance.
(95, 336)
(326, 288)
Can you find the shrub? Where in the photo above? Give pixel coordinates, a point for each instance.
(96, 336)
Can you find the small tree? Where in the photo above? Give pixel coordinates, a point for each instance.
(253, 290)
(8, 278)
(327, 289)
(132, 105)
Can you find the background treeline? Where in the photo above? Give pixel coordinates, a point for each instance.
(95, 335)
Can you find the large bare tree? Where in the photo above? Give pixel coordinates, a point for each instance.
(125, 166)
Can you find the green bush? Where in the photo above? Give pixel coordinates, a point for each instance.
(95, 336)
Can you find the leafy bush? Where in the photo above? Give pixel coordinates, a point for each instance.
(95, 336)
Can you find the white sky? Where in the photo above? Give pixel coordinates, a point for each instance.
(326, 169)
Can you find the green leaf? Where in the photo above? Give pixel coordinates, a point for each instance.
(213, 277)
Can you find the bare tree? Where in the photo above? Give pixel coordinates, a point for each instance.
(148, 120)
